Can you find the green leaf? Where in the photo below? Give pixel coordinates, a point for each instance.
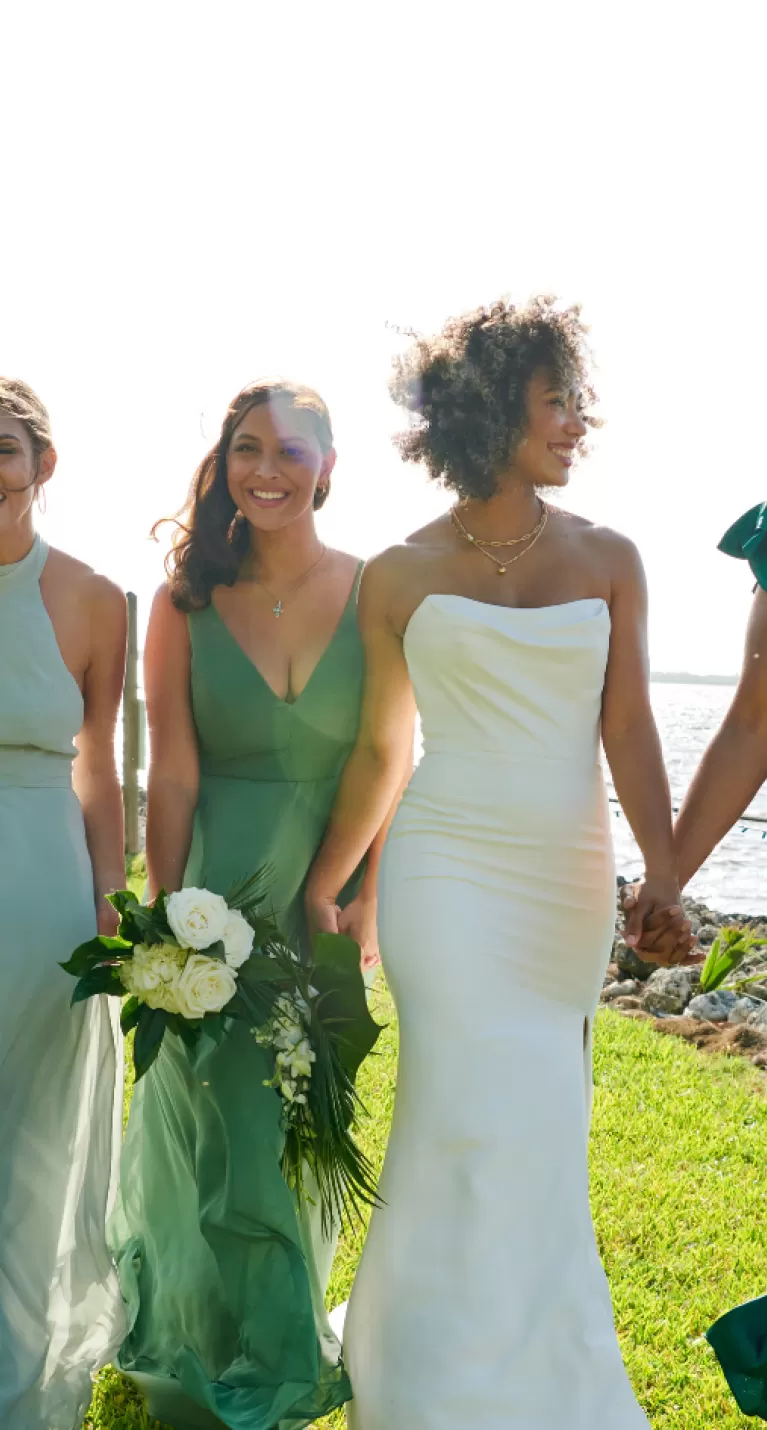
(187, 1029)
(249, 893)
(214, 1024)
(121, 900)
(265, 931)
(727, 952)
(150, 1031)
(131, 1012)
(260, 968)
(93, 952)
(216, 951)
(142, 925)
(337, 976)
(104, 978)
(238, 1008)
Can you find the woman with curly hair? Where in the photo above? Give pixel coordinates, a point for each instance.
(518, 630)
(254, 675)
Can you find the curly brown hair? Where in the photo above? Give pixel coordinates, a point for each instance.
(211, 541)
(466, 388)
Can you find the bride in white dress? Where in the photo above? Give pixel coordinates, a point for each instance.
(519, 632)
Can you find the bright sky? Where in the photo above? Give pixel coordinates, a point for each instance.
(194, 195)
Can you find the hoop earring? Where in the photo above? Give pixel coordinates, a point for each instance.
(42, 505)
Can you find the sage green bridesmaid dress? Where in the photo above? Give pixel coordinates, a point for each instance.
(739, 1337)
(61, 1315)
(224, 1281)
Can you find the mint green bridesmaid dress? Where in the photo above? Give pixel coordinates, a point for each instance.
(61, 1315)
(223, 1279)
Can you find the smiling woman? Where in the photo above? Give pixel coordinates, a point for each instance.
(253, 679)
(62, 654)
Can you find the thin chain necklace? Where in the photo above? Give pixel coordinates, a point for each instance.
(502, 564)
(279, 602)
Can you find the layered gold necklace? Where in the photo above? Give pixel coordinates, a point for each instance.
(502, 563)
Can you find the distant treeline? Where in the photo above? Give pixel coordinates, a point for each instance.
(683, 677)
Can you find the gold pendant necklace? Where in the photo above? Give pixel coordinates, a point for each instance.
(279, 603)
(502, 563)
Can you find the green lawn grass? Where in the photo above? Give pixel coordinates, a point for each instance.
(678, 1158)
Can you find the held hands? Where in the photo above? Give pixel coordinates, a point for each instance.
(656, 927)
(357, 921)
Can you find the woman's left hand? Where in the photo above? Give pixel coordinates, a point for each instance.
(656, 927)
(359, 921)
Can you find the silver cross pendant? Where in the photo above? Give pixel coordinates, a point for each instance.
(277, 609)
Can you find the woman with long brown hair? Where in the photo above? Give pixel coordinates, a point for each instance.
(62, 658)
(253, 674)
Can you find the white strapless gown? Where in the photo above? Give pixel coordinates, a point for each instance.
(480, 1301)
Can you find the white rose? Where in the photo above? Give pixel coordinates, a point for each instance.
(197, 917)
(205, 986)
(238, 939)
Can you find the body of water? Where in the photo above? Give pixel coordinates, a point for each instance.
(734, 880)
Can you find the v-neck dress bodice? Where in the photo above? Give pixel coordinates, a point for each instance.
(224, 1280)
(269, 768)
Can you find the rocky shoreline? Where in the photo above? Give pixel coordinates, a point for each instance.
(728, 1020)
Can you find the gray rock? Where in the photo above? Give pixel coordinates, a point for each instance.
(612, 990)
(744, 1010)
(630, 963)
(618, 990)
(758, 1018)
(712, 1007)
(669, 990)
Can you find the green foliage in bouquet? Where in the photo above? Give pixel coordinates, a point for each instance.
(727, 952)
(314, 1015)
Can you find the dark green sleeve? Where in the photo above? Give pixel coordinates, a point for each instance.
(747, 540)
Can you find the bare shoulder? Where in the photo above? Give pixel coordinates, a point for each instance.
(165, 619)
(68, 574)
(345, 563)
(435, 536)
(604, 547)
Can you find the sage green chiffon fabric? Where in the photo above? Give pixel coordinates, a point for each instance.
(224, 1281)
(61, 1316)
(739, 1337)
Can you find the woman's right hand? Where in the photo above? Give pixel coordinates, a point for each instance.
(322, 912)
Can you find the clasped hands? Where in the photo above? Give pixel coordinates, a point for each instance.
(656, 926)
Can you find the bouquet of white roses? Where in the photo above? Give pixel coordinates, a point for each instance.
(190, 961)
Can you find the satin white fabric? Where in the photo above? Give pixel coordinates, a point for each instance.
(480, 1299)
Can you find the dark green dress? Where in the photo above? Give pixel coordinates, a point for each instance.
(739, 1338)
(223, 1280)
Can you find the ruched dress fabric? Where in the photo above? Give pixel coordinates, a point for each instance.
(480, 1298)
(223, 1278)
(739, 1337)
(61, 1314)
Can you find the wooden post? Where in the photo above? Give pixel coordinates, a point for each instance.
(131, 733)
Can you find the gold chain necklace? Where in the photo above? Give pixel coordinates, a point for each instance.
(501, 564)
(279, 603)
